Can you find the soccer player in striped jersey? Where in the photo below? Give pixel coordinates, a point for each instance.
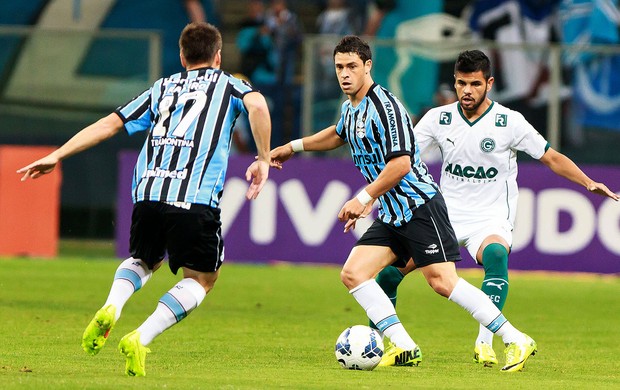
(478, 139)
(413, 220)
(188, 120)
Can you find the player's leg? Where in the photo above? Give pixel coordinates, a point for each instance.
(194, 242)
(389, 279)
(444, 280)
(357, 274)
(172, 308)
(130, 276)
(493, 255)
(442, 277)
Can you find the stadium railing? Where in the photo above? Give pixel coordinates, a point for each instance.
(570, 93)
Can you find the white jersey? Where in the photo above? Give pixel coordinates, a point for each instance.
(479, 159)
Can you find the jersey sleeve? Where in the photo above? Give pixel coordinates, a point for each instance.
(240, 89)
(136, 113)
(340, 130)
(527, 139)
(424, 134)
(398, 128)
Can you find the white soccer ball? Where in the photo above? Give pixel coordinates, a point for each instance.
(359, 347)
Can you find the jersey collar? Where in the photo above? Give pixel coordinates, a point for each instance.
(460, 110)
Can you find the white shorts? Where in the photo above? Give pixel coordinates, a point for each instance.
(472, 233)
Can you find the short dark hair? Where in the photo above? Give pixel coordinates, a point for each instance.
(470, 61)
(354, 44)
(199, 42)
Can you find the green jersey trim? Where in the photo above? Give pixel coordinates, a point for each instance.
(460, 110)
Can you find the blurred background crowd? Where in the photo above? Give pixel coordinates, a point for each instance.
(64, 63)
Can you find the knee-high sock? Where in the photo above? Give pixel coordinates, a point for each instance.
(388, 279)
(484, 311)
(381, 311)
(130, 276)
(175, 305)
(495, 284)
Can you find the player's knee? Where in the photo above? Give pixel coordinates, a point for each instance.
(442, 284)
(440, 288)
(205, 279)
(495, 258)
(436, 283)
(349, 278)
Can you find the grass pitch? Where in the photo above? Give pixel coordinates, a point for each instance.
(275, 326)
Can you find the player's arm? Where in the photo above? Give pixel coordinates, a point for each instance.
(394, 171)
(260, 124)
(326, 139)
(88, 137)
(425, 136)
(565, 167)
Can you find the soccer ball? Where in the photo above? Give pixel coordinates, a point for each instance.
(359, 347)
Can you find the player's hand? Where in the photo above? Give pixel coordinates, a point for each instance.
(601, 189)
(38, 168)
(350, 224)
(280, 154)
(351, 210)
(256, 174)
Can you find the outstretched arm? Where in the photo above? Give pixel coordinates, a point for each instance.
(326, 139)
(260, 123)
(88, 137)
(565, 167)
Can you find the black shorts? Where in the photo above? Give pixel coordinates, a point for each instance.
(428, 237)
(192, 237)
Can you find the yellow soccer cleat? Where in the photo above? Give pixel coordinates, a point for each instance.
(517, 354)
(135, 353)
(396, 356)
(485, 355)
(388, 345)
(98, 330)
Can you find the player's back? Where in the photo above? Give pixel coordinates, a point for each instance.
(190, 117)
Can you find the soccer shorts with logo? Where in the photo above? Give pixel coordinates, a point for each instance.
(192, 236)
(428, 237)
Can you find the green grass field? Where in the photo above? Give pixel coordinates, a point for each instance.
(275, 327)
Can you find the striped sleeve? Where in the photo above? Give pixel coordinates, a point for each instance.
(239, 89)
(395, 122)
(136, 113)
(340, 130)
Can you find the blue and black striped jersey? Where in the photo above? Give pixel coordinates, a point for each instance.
(377, 130)
(190, 118)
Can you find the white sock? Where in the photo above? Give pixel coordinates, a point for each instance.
(381, 311)
(484, 336)
(484, 311)
(130, 276)
(175, 305)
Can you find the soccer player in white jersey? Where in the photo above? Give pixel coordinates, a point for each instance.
(413, 220)
(188, 119)
(479, 139)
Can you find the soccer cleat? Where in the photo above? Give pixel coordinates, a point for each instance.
(388, 345)
(135, 354)
(485, 355)
(98, 330)
(396, 356)
(517, 354)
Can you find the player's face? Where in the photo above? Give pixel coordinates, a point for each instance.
(351, 72)
(471, 89)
